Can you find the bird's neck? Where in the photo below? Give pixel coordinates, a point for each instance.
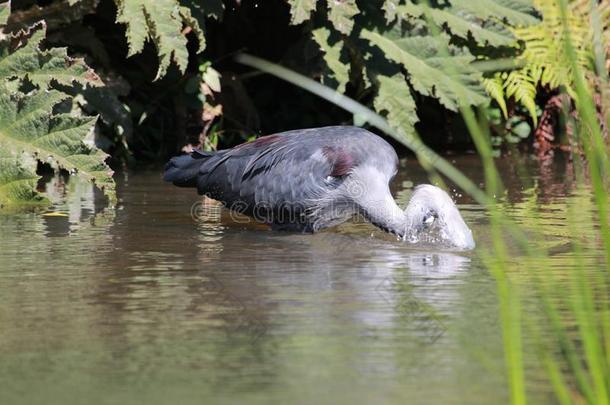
(370, 190)
(384, 213)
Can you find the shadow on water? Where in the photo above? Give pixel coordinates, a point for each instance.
(143, 303)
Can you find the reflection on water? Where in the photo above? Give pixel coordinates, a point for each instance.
(146, 304)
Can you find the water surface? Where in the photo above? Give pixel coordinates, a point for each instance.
(148, 303)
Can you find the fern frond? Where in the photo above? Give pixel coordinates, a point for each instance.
(494, 87)
(521, 86)
(544, 42)
(544, 55)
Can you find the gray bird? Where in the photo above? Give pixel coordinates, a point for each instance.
(310, 179)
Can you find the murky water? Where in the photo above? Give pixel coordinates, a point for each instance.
(146, 304)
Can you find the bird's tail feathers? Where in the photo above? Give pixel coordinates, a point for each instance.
(183, 170)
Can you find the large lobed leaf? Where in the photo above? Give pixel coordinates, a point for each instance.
(469, 19)
(394, 98)
(30, 131)
(407, 34)
(341, 14)
(300, 10)
(164, 22)
(462, 23)
(435, 68)
(43, 67)
(339, 71)
(160, 21)
(28, 126)
(18, 178)
(512, 12)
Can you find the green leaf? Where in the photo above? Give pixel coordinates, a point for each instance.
(359, 120)
(390, 7)
(43, 67)
(394, 98)
(520, 85)
(160, 21)
(196, 25)
(332, 55)
(211, 77)
(105, 102)
(300, 10)
(462, 23)
(446, 75)
(522, 129)
(28, 125)
(494, 87)
(29, 128)
(18, 179)
(5, 11)
(409, 11)
(194, 14)
(341, 14)
(513, 12)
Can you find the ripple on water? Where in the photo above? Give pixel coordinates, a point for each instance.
(150, 303)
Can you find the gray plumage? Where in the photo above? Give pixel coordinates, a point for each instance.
(307, 180)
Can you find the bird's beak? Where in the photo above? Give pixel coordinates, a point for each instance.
(445, 223)
(457, 233)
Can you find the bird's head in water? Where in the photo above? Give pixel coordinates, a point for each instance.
(431, 213)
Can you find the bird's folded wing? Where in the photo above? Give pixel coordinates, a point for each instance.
(274, 170)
